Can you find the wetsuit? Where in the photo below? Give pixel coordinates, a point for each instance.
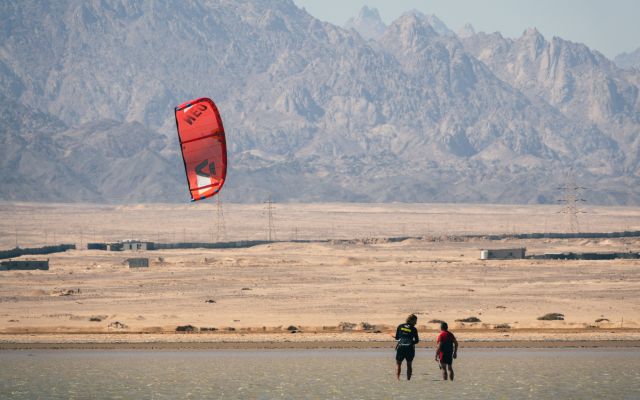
(407, 337)
(446, 340)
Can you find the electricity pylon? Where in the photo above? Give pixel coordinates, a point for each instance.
(571, 197)
(221, 232)
(271, 230)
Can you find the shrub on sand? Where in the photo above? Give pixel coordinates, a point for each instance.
(469, 319)
(118, 325)
(365, 326)
(208, 329)
(347, 326)
(552, 317)
(186, 328)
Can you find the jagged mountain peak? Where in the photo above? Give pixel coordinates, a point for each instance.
(431, 19)
(410, 31)
(367, 23)
(439, 26)
(532, 32)
(534, 40)
(466, 31)
(369, 13)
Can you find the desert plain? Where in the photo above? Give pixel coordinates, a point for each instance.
(332, 275)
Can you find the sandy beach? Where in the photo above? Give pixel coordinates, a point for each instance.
(347, 287)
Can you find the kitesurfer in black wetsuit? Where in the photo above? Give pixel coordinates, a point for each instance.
(407, 337)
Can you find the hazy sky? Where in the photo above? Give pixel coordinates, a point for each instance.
(609, 26)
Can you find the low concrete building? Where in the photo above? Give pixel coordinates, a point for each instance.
(114, 247)
(134, 245)
(587, 256)
(502, 254)
(131, 244)
(24, 265)
(138, 262)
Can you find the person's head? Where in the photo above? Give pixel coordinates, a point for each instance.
(412, 319)
(444, 326)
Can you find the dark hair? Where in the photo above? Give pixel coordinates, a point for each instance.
(412, 317)
(444, 326)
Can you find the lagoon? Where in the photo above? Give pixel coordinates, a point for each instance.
(317, 374)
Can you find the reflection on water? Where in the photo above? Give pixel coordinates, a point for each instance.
(318, 374)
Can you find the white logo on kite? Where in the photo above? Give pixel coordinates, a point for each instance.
(203, 176)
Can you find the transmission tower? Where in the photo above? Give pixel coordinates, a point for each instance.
(571, 197)
(221, 232)
(271, 230)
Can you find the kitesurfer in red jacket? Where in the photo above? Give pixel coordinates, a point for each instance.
(446, 351)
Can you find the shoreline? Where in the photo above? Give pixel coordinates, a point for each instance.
(518, 339)
(163, 346)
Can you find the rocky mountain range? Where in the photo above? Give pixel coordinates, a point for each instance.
(408, 112)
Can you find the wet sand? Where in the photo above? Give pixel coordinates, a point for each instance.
(537, 340)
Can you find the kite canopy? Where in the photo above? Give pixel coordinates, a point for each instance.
(203, 145)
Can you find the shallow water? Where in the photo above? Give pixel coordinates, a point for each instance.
(318, 374)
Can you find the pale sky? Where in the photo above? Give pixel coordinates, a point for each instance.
(609, 26)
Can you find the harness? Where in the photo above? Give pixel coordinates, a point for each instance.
(406, 336)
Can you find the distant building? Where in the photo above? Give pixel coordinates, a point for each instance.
(134, 245)
(24, 265)
(503, 254)
(138, 262)
(131, 244)
(587, 256)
